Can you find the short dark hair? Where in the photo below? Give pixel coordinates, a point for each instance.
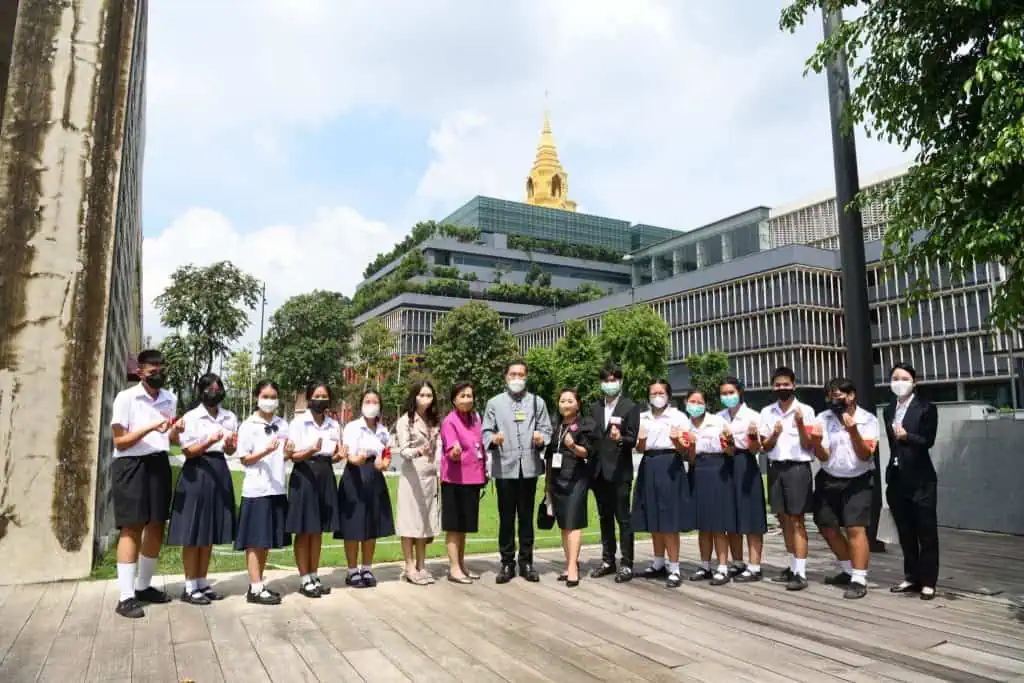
(512, 363)
(263, 384)
(905, 367)
(691, 392)
(841, 384)
(785, 373)
(150, 357)
(570, 390)
(663, 382)
(313, 386)
(410, 402)
(207, 381)
(371, 392)
(458, 388)
(734, 381)
(610, 370)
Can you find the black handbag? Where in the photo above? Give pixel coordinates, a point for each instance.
(545, 520)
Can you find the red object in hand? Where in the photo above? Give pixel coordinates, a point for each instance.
(387, 453)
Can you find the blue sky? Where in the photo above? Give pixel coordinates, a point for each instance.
(298, 138)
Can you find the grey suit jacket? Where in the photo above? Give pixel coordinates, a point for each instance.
(517, 457)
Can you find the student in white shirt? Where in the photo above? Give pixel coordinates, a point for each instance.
(312, 487)
(364, 502)
(144, 427)
(662, 504)
(713, 489)
(263, 447)
(787, 434)
(751, 519)
(203, 509)
(843, 488)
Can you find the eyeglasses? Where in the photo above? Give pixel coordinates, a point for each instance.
(270, 429)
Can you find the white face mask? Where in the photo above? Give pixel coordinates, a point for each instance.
(659, 402)
(902, 388)
(371, 410)
(268, 405)
(517, 386)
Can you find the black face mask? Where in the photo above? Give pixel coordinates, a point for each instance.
(319, 405)
(213, 398)
(155, 380)
(838, 406)
(784, 394)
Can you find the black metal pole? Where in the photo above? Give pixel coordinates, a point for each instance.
(859, 363)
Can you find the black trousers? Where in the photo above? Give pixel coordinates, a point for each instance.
(613, 506)
(913, 509)
(516, 499)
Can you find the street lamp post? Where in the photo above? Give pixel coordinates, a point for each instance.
(859, 363)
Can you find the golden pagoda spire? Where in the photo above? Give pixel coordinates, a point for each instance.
(548, 183)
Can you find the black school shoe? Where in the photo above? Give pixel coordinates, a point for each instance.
(310, 590)
(785, 576)
(652, 573)
(264, 597)
(529, 573)
(324, 588)
(840, 579)
(749, 577)
(211, 594)
(604, 570)
(855, 591)
(505, 574)
(152, 596)
(130, 608)
(196, 597)
(625, 575)
(797, 583)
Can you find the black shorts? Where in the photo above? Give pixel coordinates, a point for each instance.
(141, 488)
(842, 502)
(790, 487)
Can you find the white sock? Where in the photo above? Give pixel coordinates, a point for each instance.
(147, 567)
(658, 563)
(256, 588)
(126, 580)
(191, 586)
(305, 578)
(352, 571)
(927, 590)
(202, 583)
(705, 565)
(860, 576)
(753, 568)
(846, 566)
(722, 569)
(800, 566)
(673, 567)
(792, 563)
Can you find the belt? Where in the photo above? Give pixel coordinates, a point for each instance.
(661, 451)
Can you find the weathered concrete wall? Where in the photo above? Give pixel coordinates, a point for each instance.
(70, 156)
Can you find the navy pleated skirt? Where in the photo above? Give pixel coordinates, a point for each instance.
(261, 523)
(312, 497)
(364, 504)
(662, 502)
(203, 506)
(714, 493)
(751, 515)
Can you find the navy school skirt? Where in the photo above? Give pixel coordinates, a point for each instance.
(203, 507)
(714, 493)
(751, 514)
(662, 502)
(312, 497)
(364, 504)
(261, 523)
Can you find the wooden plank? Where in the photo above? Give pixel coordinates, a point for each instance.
(196, 660)
(17, 610)
(326, 662)
(27, 655)
(235, 653)
(152, 649)
(269, 638)
(714, 672)
(372, 665)
(111, 657)
(73, 645)
(981, 659)
(188, 622)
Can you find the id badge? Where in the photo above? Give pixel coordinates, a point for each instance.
(519, 416)
(479, 451)
(556, 461)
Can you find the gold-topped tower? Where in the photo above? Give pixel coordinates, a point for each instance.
(548, 183)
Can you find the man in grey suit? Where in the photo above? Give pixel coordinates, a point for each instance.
(516, 429)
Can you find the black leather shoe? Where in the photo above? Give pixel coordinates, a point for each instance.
(929, 595)
(736, 569)
(652, 573)
(529, 573)
(718, 579)
(785, 576)
(310, 590)
(905, 587)
(625, 575)
(572, 584)
(748, 577)
(505, 574)
(797, 583)
(603, 571)
(130, 608)
(840, 579)
(855, 591)
(153, 596)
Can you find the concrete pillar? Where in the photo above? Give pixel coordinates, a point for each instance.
(70, 274)
(726, 247)
(677, 263)
(961, 391)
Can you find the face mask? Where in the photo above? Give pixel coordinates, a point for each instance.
(319, 405)
(371, 410)
(610, 388)
(659, 402)
(694, 409)
(213, 398)
(730, 401)
(902, 388)
(156, 380)
(517, 386)
(268, 405)
(784, 394)
(838, 406)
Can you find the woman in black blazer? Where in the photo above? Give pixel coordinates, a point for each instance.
(910, 425)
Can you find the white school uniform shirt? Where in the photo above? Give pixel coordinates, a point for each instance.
(359, 437)
(199, 426)
(739, 424)
(659, 428)
(787, 448)
(265, 477)
(709, 435)
(842, 458)
(609, 409)
(304, 431)
(133, 409)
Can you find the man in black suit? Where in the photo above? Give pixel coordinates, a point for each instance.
(910, 425)
(618, 422)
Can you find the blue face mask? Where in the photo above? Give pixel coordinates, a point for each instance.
(730, 401)
(694, 409)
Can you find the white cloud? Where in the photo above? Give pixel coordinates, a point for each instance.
(327, 252)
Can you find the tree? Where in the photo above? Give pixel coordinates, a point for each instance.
(209, 304)
(578, 361)
(307, 340)
(471, 343)
(946, 78)
(373, 359)
(542, 379)
(707, 370)
(637, 339)
(241, 380)
(183, 364)
(533, 274)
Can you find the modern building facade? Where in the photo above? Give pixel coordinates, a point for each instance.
(71, 142)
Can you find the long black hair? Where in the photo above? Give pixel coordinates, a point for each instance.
(410, 402)
(263, 384)
(313, 386)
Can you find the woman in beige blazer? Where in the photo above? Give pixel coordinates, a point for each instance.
(418, 446)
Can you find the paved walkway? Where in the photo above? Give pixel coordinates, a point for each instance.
(540, 632)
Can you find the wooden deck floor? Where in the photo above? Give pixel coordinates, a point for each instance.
(973, 631)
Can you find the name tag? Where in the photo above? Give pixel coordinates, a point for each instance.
(556, 460)
(519, 416)
(479, 448)
(615, 421)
